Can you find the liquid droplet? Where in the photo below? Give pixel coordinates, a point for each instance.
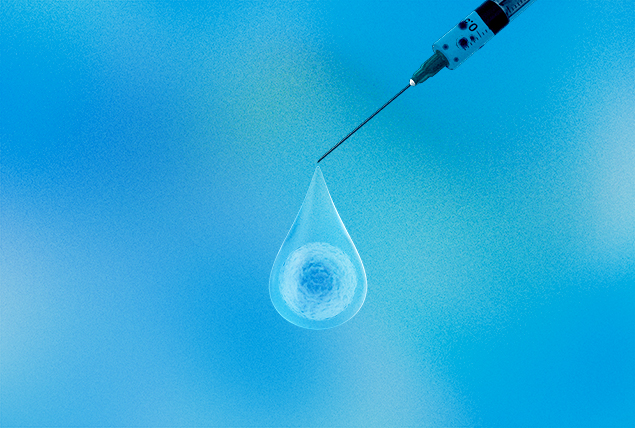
(318, 280)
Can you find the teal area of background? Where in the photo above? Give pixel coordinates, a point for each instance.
(155, 154)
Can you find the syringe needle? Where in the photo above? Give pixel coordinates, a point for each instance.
(363, 123)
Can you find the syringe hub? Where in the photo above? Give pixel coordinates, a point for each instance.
(429, 68)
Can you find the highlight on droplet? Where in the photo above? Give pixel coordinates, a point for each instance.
(318, 279)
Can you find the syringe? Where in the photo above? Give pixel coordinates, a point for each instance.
(459, 44)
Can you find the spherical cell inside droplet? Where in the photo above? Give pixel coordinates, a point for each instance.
(318, 281)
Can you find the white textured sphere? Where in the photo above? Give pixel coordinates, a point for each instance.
(318, 281)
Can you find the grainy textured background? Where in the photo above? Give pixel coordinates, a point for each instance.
(154, 155)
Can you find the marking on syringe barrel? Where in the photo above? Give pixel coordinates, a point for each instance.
(465, 44)
(510, 10)
(465, 38)
(473, 27)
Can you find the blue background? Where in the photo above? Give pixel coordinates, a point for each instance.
(154, 156)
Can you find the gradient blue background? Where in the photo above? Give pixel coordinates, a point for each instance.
(154, 156)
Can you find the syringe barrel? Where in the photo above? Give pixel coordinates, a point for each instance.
(512, 8)
(477, 28)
